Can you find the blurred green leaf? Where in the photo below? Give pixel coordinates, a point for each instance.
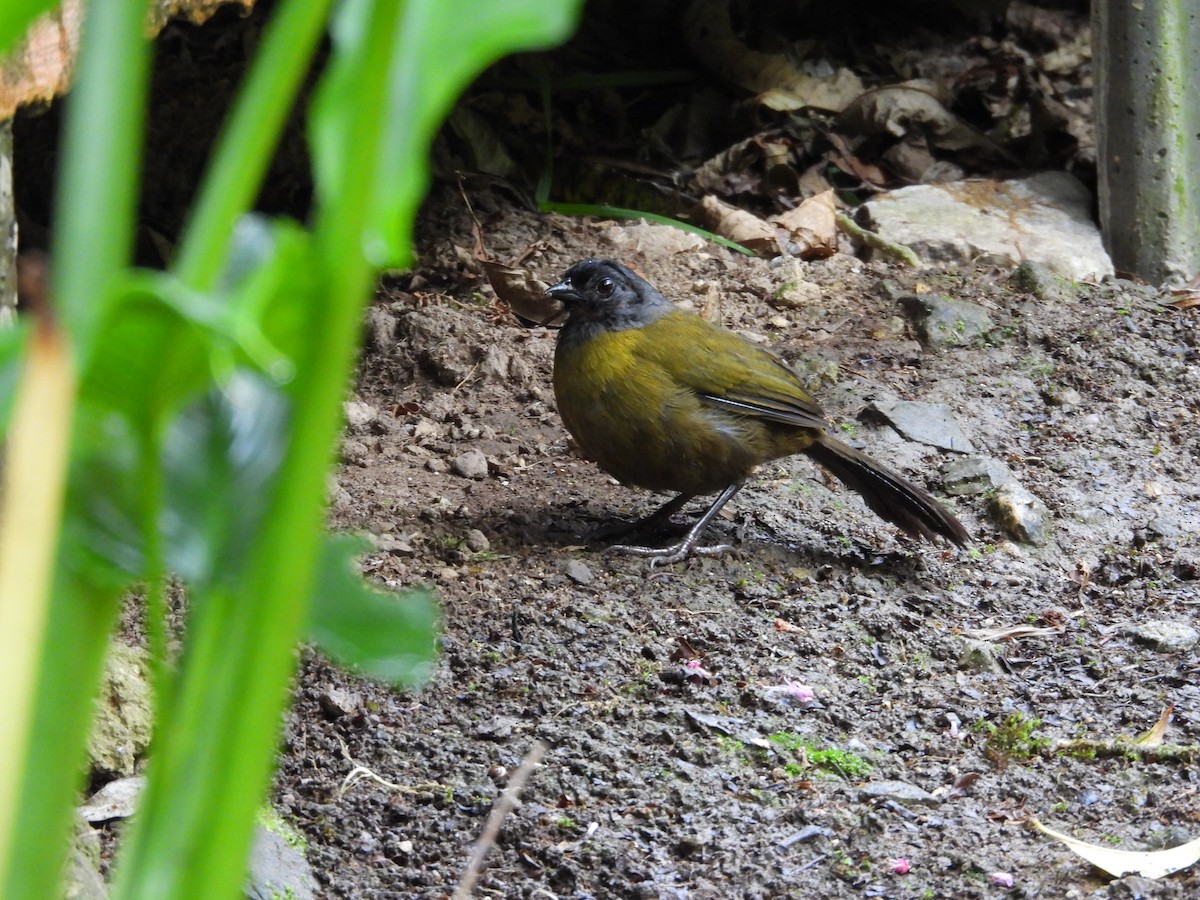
(220, 457)
(163, 342)
(15, 16)
(268, 269)
(102, 541)
(425, 78)
(385, 636)
(154, 358)
(12, 350)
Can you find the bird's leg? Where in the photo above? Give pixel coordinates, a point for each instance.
(664, 556)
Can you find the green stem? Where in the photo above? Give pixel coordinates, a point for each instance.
(97, 186)
(151, 480)
(94, 213)
(196, 818)
(244, 149)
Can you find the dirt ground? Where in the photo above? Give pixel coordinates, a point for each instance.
(678, 761)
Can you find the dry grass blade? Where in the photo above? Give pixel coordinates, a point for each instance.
(34, 477)
(1154, 737)
(1148, 863)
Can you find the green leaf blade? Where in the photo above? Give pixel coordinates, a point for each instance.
(389, 637)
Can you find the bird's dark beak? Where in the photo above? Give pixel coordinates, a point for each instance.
(564, 292)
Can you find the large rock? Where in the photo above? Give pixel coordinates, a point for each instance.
(1046, 218)
(124, 713)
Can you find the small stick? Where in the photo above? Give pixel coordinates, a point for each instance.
(899, 252)
(504, 804)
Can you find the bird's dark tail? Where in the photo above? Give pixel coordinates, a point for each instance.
(887, 494)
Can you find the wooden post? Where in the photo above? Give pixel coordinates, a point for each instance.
(8, 229)
(1147, 70)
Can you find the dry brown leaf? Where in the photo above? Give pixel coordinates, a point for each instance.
(779, 84)
(1010, 632)
(1154, 737)
(1186, 299)
(812, 226)
(738, 225)
(524, 294)
(1149, 863)
(900, 109)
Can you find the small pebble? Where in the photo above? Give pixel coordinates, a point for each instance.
(477, 541)
(472, 464)
(899, 791)
(358, 413)
(336, 703)
(578, 572)
(1021, 514)
(979, 656)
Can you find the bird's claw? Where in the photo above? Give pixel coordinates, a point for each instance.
(665, 556)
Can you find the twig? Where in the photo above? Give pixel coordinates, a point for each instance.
(504, 804)
(899, 252)
(466, 378)
(359, 772)
(1125, 748)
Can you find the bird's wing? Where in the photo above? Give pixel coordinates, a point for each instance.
(729, 372)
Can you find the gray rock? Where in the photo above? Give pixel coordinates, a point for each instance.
(796, 294)
(277, 867)
(1067, 398)
(1046, 218)
(472, 464)
(974, 475)
(359, 414)
(355, 452)
(925, 423)
(1034, 278)
(336, 702)
(579, 573)
(82, 879)
(124, 713)
(899, 792)
(1187, 564)
(476, 541)
(380, 330)
(116, 800)
(943, 322)
(979, 656)
(1163, 636)
(1022, 515)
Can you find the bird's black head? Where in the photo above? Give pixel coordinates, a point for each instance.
(603, 295)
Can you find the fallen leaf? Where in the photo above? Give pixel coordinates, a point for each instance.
(901, 109)
(778, 82)
(1011, 632)
(812, 226)
(738, 225)
(1148, 863)
(524, 294)
(1154, 737)
(1186, 300)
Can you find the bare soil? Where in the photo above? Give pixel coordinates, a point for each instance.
(676, 764)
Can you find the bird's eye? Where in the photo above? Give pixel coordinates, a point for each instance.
(604, 287)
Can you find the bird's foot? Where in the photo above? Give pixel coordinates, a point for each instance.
(665, 556)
